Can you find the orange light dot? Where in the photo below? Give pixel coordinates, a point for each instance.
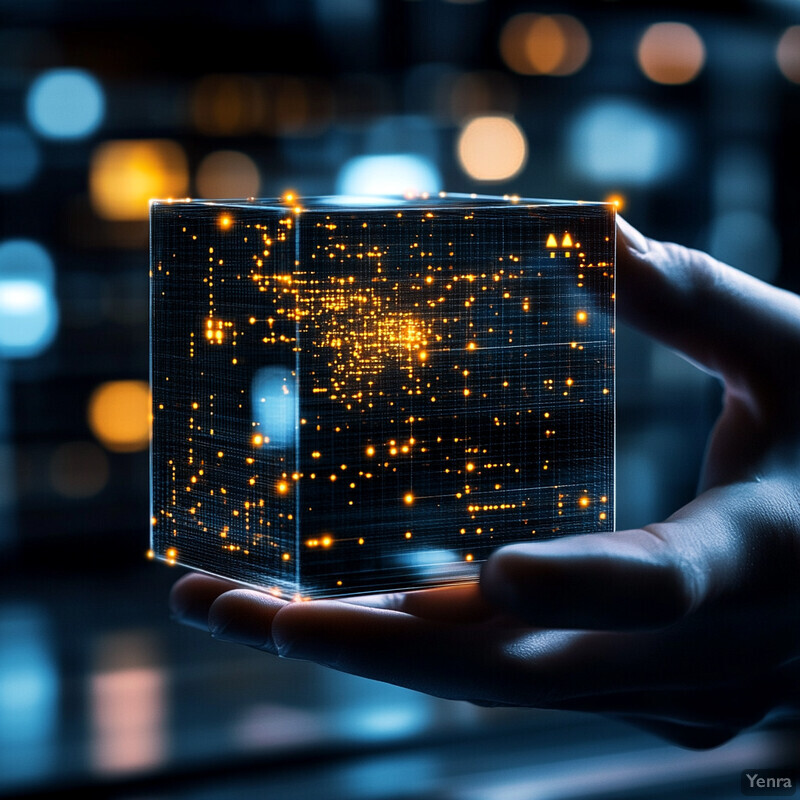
(408, 499)
(671, 53)
(225, 222)
(584, 502)
(370, 451)
(283, 487)
(470, 467)
(326, 541)
(286, 556)
(408, 534)
(119, 415)
(258, 440)
(468, 557)
(581, 316)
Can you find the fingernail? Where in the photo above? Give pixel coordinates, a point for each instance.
(635, 240)
(189, 609)
(239, 631)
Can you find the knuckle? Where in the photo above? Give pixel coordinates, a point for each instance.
(680, 578)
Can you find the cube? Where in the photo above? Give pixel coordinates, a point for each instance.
(361, 395)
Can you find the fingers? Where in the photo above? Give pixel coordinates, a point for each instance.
(455, 661)
(463, 604)
(245, 616)
(192, 596)
(618, 581)
(637, 579)
(717, 316)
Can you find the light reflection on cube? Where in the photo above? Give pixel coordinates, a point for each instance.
(357, 397)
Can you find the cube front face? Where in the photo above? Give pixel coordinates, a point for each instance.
(351, 400)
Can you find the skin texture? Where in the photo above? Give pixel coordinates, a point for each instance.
(689, 628)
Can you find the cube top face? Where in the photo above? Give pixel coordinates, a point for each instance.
(357, 398)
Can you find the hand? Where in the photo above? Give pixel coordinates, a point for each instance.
(688, 627)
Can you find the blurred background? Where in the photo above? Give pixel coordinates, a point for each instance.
(687, 113)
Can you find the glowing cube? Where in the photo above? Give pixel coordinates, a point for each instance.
(361, 397)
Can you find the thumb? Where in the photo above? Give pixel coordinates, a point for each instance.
(645, 578)
(717, 316)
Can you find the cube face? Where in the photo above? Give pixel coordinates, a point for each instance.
(357, 399)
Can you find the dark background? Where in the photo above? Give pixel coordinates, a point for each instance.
(98, 689)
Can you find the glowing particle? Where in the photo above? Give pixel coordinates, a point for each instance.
(370, 451)
(408, 499)
(225, 222)
(258, 440)
(470, 467)
(286, 556)
(468, 557)
(584, 502)
(581, 317)
(283, 487)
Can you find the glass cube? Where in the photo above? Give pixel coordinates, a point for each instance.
(357, 395)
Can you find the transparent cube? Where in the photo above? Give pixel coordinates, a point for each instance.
(354, 396)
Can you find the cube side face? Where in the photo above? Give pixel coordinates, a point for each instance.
(224, 392)
(456, 372)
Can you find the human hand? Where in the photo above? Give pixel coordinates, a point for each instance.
(688, 627)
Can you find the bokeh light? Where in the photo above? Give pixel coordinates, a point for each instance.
(540, 44)
(119, 415)
(788, 53)
(125, 175)
(671, 53)
(19, 157)
(492, 148)
(404, 173)
(28, 309)
(65, 104)
(227, 173)
(616, 141)
(78, 470)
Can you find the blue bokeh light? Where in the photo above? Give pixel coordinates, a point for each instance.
(274, 401)
(19, 157)
(65, 104)
(388, 174)
(623, 142)
(28, 308)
